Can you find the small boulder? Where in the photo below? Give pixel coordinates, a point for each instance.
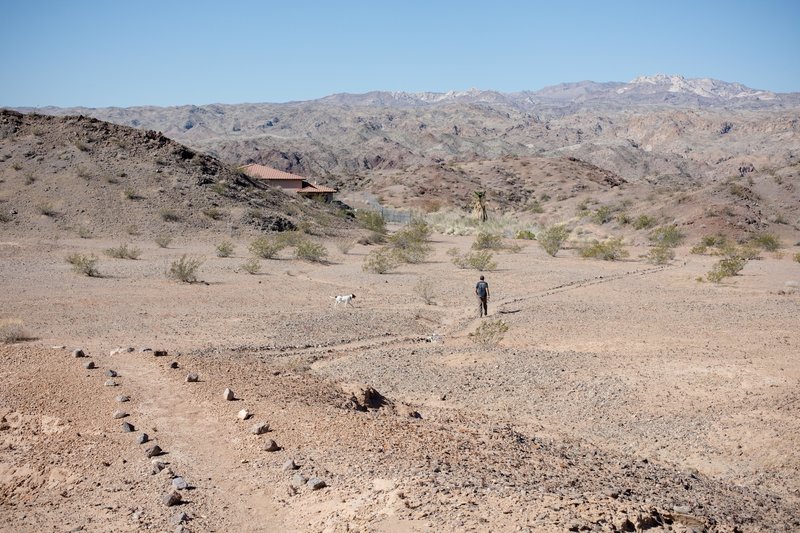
(316, 483)
(143, 438)
(111, 373)
(128, 427)
(179, 483)
(260, 429)
(192, 378)
(89, 365)
(171, 498)
(271, 446)
(244, 414)
(153, 451)
(228, 395)
(122, 398)
(119, 414)
(78, 353)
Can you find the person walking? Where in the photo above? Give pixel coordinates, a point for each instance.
(482, 292)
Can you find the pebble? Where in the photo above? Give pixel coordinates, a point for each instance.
(122, 398)
(289, 465)
(128, 427)
(683, 509)
(228, 395)
(244, 414)
(271, 446)
(119, 414)
(145, 349)
(159, 353)
(78, 353)
(260, 429)
(173, 364)
(153, 451)
(89, 365)
(171, 498)
(111, 373)
(179, 483)
(178, 518)
(110, 383)
(157, 466)
(60, 347)
(316, 483)
(192, 378)
(141, 439)
(298, 480)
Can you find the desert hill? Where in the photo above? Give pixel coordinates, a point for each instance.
(94, 178)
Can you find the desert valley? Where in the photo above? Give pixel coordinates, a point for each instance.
(175, 359)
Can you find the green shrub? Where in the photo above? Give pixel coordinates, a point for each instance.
(624, 219)
(372, 220)
(225, 249)
(669, 236)
(768, 241)
(610, 249)
(714, 240)
(252, 266)
(552, 238)
(84, 233)
(184, 269)
(131, 194)
(796, 257)
(163, 241)
(123, 252)
(213, 213)
(290, 238)
(525, 235)
(310, 251)
(644, 222)
(535, 207)
(84, 264)
(380, 261)
(481, 260)
(373, 237)
(487, 241)
(602, 214)
(728, 267)
(345, 245)
(47, 210)
(698, 249)
(266, 248)
(489, 333)
(660, 255)
(11, 330)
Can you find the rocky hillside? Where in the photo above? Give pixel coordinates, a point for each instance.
(94, 178)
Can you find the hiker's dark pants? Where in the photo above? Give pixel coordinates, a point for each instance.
(482, 305)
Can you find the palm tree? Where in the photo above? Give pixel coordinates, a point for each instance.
(479, 205)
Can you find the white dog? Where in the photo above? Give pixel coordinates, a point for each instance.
(346, 299)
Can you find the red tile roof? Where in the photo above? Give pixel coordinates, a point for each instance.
(316, 188)
(268, 173)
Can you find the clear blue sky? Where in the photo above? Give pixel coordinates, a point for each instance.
(143, 52)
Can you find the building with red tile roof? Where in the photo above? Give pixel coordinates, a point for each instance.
(290, 183)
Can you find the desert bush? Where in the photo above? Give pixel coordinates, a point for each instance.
(132, 229)
(535, 207)
(552, 238)
(489, 333)
(184, 268)
(485, 240)
(796, 257)
(698, 249)
(5, 216)
(425, 290)
(11, 330)
(84, 233)
(345, 245)
(123, 252)
(131, 194)
(84, 264)
(610, 249)
(380, 261)
(30, 179)
(252, 266)
(525, 235)
(768, 241)
(225, 249)
(660, 255)
(602, 214)
(372, 220)
(168, 215)
(713, 240)
(669, 236)
(213, 213)
(644, 222)
(481, 260)
(290, 238)
(47, 209)
(372, 238)
(163, 240)
(727, 267)
(266, 248)
(313, 252)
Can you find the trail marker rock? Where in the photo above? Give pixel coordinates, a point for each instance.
(128, 427)
(120, 414)
(89, 365)
(143, 438)
(111, 373)
(179, 518)
(271, 446)
(316, 483)
(171, 498)
(179, 483)
(122, 398)
(159, 353)
(298, 480)
(153, 451)
(192, 378)
(110, 383)
(157, 466)
(260, 429)
(289, 465)
(244, 414)
(78, 353)
(228, 395)
(173, 364)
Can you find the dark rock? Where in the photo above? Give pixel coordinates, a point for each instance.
(171, 498)
(111, 373)
(128, 428)
(173, 364)
(78, 353)
(159, 353)
(89, 365)
(153, 451)
(143, 438)
(271, 446)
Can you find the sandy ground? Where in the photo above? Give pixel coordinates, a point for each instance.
(624, 396)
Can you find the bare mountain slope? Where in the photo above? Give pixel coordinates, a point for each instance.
(96, 178)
